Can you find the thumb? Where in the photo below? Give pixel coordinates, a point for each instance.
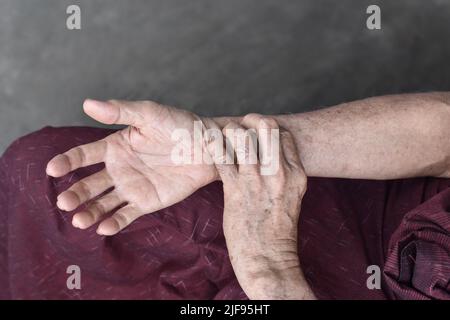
(114, 112)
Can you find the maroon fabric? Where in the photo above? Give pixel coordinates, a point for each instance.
(418, 265)
(179, 252)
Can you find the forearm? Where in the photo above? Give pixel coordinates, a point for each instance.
(385, 137)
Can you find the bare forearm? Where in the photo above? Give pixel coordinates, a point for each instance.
(385, 137)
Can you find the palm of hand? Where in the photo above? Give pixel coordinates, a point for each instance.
(138, 165)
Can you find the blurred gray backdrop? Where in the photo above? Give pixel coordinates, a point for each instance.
(214, 57)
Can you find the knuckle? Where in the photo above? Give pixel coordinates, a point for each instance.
(268, 122)
(80, 154)
(251, 117)
(229, 126)
(85, 192)
(98, 208)
(122, 219)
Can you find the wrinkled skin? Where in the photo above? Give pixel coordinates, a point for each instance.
(138, 165)
(261, 213)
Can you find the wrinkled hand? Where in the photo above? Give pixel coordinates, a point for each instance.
(261, 212)
(138, 166)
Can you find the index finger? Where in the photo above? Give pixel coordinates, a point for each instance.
(78, 157)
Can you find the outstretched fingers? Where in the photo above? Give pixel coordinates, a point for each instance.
(84, 190)
(97, 210)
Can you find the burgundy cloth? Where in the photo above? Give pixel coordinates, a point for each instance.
(179, 253)
(419, 265)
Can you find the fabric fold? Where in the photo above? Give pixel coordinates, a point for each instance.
(418, 262)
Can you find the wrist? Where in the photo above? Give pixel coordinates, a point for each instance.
(279, 284)
(269, 272)
(273, 277)
(253, 266)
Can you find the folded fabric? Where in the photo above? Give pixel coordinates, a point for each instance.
(418, 264)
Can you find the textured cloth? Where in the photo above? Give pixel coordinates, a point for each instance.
(345, 226)
(419, 262)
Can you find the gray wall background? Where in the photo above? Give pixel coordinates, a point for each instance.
(213, 57)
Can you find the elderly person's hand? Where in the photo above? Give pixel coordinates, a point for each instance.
(138, 165)
(261, 212)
